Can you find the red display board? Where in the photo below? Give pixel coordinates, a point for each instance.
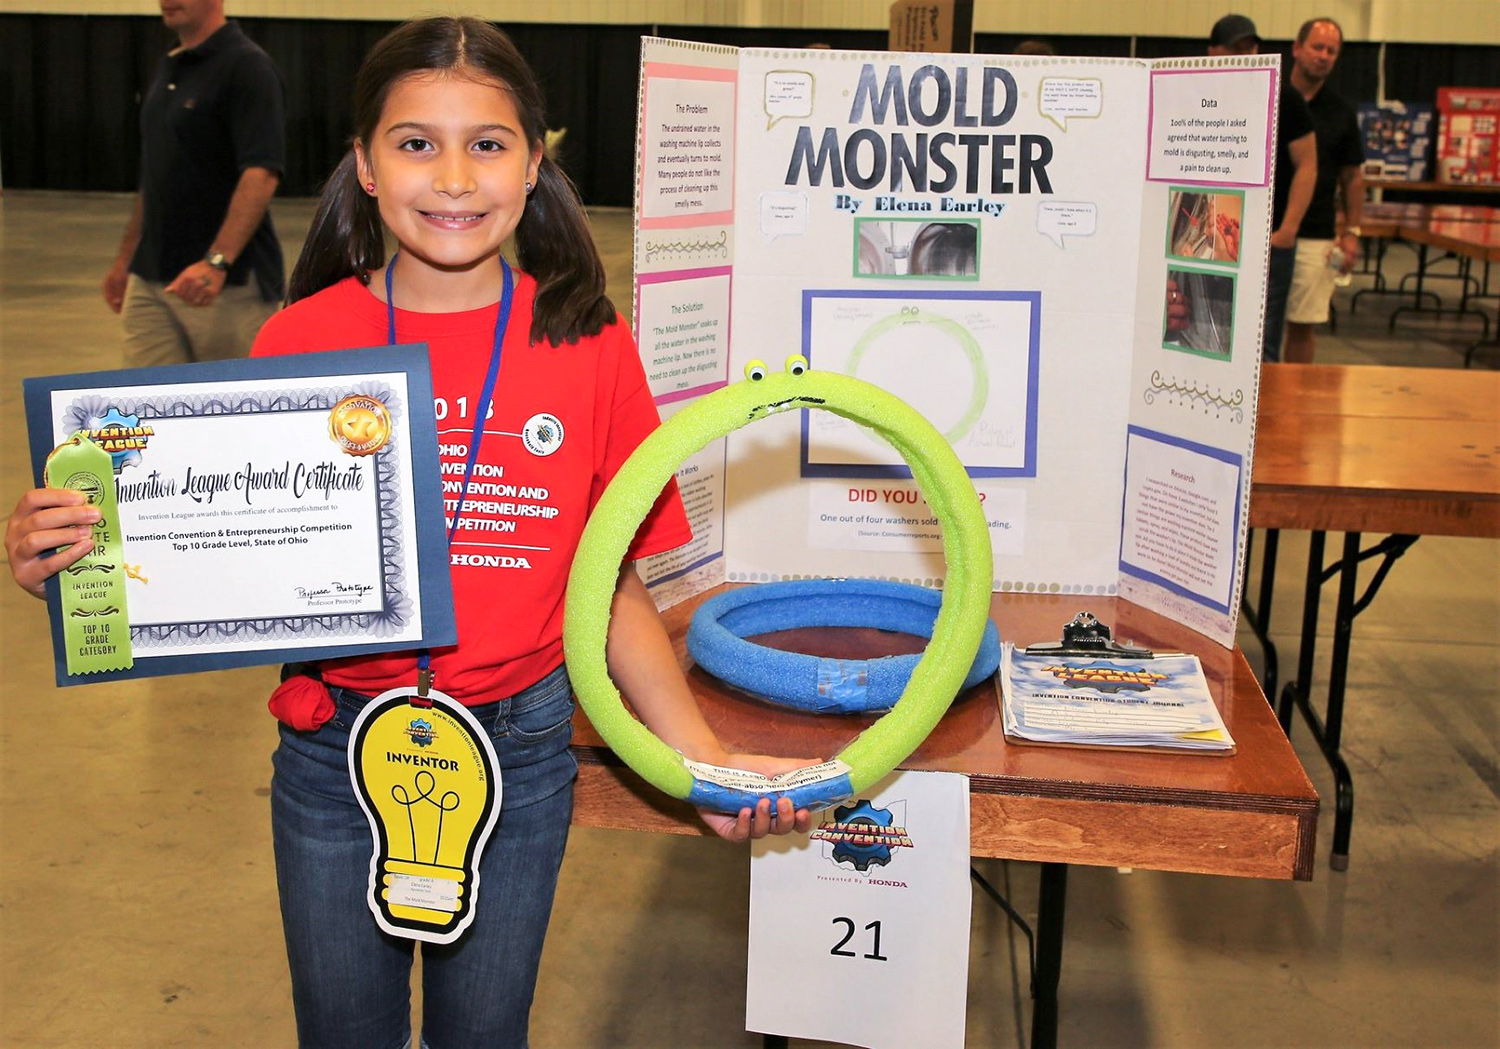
(1468, 134)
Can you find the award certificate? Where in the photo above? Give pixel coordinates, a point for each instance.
(269, 510)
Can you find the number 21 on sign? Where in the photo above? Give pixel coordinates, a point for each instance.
(848, 926)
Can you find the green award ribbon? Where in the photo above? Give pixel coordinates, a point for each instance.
(96, 630)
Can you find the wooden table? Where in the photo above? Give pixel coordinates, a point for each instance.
(1403, 452)
(1420, 225)
(1431, 187)
(1253, 814)
(1470, 241)
(1469, 233)
(1362, 448)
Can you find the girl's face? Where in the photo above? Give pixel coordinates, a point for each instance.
(450, 162)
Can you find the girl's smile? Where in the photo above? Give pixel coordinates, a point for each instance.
(452, 220)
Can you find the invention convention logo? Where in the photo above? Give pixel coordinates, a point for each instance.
(863, 836)
(1105, 677)
(421, 732)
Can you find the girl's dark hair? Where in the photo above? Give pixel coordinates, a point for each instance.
(553, 241)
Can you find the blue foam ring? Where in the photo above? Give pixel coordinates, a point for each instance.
(716, 641)
(811, 796)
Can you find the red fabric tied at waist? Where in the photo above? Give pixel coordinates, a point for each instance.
(302, 703)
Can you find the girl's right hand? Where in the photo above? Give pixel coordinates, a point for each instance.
(43, 521)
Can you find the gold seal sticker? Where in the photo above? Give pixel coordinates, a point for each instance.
(359, 424)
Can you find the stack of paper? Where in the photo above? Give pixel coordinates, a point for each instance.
(1106, 702)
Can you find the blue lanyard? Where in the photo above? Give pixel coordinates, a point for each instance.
(424, 658)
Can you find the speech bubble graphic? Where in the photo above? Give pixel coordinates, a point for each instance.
(1065, 98)
(783, 213)
(788, 93)
(1057, 219)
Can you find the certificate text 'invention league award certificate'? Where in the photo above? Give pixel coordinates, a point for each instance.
(269, 510)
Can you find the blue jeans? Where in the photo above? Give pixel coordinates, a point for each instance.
(1278, 286)
(350, 980)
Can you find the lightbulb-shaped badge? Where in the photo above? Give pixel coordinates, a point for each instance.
(429, 783)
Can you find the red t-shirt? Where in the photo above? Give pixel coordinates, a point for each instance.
(525, 511)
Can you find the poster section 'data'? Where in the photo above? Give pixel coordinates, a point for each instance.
(1206, 212)
(684, 254)
(1005, 242)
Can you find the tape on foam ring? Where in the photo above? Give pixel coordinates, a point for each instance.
(717, 642)
(729, 790)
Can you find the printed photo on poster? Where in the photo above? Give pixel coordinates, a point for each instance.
(1198, 313)
(1205, 226)
(916, 248)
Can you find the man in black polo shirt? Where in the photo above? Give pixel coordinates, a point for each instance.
(199, 268)
(1296, 174)
(1332, 220)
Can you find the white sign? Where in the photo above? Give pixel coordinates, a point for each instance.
(870, 909)
(893, 515)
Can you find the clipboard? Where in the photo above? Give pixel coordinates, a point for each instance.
(1085, 636)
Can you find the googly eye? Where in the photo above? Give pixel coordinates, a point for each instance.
(796, 364)
(755, 371)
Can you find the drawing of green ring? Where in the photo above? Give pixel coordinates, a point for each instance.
(957, 631)
(979, 391)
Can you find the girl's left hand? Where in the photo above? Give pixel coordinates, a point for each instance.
(758, 822)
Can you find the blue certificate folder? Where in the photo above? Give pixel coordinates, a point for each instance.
(400, 518)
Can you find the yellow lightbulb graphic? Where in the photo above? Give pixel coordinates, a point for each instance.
(426, 779)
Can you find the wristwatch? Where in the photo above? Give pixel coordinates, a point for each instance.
(217, 260)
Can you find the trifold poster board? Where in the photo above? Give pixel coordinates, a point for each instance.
(1060, 262)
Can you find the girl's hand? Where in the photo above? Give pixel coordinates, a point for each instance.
(758, 822)
(44, 520)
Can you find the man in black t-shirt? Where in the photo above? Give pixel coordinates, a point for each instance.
(199, 267)
(1296, 174)
(1332, 220)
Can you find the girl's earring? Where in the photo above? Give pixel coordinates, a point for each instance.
(528, 189)
(370, 187)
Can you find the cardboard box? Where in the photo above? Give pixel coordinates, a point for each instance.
(943, 26)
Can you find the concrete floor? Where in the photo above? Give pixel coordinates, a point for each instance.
(137, 903)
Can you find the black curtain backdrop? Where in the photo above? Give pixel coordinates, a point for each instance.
(70, 87)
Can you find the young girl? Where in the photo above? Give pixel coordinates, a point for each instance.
(448, 157)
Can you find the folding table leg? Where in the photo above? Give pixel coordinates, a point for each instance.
(1049, 943)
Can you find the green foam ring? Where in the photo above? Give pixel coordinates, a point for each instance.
(940, 477)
